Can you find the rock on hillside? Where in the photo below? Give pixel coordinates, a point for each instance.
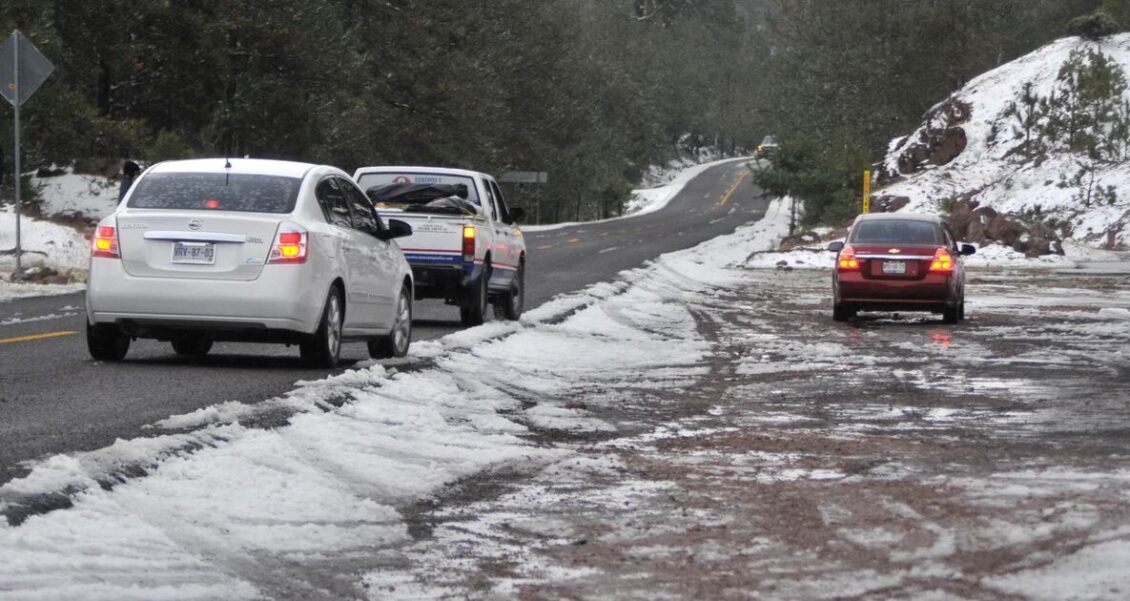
(964, 158)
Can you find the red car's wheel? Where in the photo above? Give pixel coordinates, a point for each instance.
(842, 312)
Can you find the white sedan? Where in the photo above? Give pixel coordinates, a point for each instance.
(248, 250)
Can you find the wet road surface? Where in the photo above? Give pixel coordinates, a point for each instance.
(891, 457)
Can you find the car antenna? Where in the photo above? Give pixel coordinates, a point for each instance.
(227, 170)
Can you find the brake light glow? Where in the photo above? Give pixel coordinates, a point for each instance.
(847, 260)
(105, 242)
(943, 261)
(290, 247)
(468, 243)
(211, 203)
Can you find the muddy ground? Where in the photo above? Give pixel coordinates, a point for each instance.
(890, 457)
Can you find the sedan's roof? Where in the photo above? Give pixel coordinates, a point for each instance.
(898, 217)
(241, 166)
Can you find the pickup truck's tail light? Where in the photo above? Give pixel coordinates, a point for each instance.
(468, 243)
(105, 242)
(291, 246)
(847, 260)
(942, 263)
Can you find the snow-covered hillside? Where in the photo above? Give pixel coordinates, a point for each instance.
(45, 243)
(988, 171)
(69, 201)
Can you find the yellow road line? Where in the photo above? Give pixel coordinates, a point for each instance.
(545, 247)
(574, 240)
(734, 188)
(36, 337)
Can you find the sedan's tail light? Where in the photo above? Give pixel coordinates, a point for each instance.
(468, 243)
(847, 260)
(942, 263)
(291, 245)
(105, 242)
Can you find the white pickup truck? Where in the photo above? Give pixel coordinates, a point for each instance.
(465, 247)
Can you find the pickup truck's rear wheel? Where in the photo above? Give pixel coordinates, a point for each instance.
(324, 346)
(473, 311)
(510, 304)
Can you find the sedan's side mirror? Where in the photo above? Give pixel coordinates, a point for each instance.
(836, 246)
(517, 214)
(398, 229)
(968, 249)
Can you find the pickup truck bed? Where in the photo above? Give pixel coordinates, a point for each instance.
(465, 247)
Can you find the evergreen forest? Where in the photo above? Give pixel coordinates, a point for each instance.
(591, 91)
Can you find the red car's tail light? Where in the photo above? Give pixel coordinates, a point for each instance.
(105, 242)
(290, 247)
(847, 260)
(943, 261)
(468, 243)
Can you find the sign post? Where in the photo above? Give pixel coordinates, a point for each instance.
(866, 192)
(22, 70)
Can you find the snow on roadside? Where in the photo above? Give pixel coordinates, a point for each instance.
(245, 510)
(44, 243)
(10, 291)
(49, 244)
(76, 195)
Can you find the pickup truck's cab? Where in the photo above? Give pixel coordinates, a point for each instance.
(466, 247)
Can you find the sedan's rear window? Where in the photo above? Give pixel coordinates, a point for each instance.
(897, 232)
(216, 192)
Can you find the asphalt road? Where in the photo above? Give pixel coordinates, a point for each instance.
(55, 399)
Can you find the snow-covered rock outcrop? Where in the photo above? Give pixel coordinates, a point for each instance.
(966, 150)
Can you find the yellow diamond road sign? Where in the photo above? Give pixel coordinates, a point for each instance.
(18, 56)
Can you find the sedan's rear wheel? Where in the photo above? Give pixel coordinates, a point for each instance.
(194, 346)
(106, 342)
(950, 315)
(400, 336)
(323, 348)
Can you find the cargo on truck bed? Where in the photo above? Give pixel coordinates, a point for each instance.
(448, 199)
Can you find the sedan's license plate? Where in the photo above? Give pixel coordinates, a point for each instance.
(894, 267)
(194, 253)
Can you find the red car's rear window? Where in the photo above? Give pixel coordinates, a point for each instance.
(897, 232)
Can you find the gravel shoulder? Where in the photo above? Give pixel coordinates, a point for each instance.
(892, 457)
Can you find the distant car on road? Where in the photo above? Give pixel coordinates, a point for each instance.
(767, 147)
(252, 251)
(899, 262)
(466, 246)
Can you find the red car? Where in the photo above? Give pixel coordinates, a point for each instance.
(899, 262)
